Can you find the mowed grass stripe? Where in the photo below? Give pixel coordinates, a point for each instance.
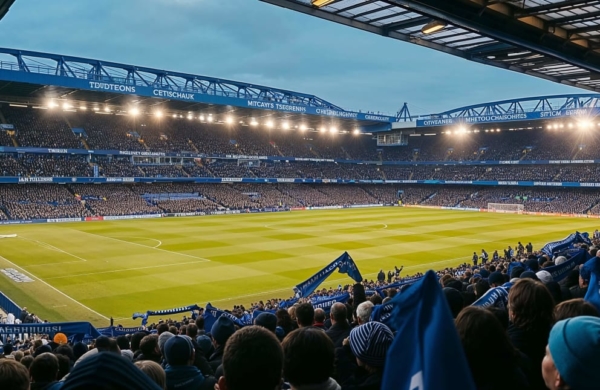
(252, 257)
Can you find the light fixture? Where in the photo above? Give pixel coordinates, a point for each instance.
(201, 117)
(66, 106)
(96, 108)
(52, 104)
(174, 115)
(253, 122)
(321, 3)
(158, 114)
(134, 111)
(356, 131)
(285, 126)
(106, 109)
(270, 124)
(229, 120)
(433, 27)
(190, 117)
(302, 127)
(83, 108)
(323, 129)
(210, 118)
(332, 130)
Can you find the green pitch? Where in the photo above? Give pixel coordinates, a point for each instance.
(92, 271)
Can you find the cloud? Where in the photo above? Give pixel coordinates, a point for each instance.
(259, 43)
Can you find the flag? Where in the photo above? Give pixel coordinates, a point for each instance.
(494, 297)
(552, 247)
(426, 352)
(591, 271)
(561, 271)
(167, 312)
(344, 264)
(211, 314)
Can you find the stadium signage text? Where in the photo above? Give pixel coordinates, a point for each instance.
(112, 87)
(35, 180)
(173, 94)
(276, 106)
(16, 276)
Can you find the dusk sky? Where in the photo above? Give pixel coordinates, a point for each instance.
(254, 42)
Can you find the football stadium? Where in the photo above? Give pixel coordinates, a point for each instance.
(169, 230)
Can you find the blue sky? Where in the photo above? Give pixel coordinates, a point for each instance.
(247, 40)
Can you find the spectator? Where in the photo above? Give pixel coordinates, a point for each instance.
(180, 371)
(305, 315)
(572, 354)
(363, 312)
(150, 349)
(267, 321)
(308, 360)
(455, 300)
(44, 372)
(154, 371)
(252, 350)
(574, 308)
(340, 328)
(13, 375)
(488, 347)
(221, 331)
(530, 308)
(319, 320)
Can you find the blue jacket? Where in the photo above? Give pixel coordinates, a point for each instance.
(185, 377)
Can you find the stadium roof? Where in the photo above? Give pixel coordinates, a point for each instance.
(4, 6)
(35, 78)
(558, 40)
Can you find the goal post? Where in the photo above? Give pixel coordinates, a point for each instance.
(516, 208)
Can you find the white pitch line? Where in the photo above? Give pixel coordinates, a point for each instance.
(146, 246)
(151, 239)
(45, 244)
(44, 264)
(54, 288)
(124, 270)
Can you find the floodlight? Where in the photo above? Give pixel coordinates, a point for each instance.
(190, 117)
(270, 124)
(570, 125)
(158, 114)
(174, 115)
(356, 131)
(302, 127)
(462, 129)
(66, 106)
(253, 122)
(321, 3)
(285, 126)
(52, 104)
(332, 129)
(433, 27)
(210, 118)
(96, 108)
(134, 111)
(106, 109)
(229, 120)
(201, 117)
(83, 108)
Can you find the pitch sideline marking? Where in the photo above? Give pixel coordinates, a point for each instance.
(146, 246)
(125, 269)
(45, 244)
(54, 288)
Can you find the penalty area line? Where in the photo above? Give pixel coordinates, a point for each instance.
(156, 248)
(54, 288)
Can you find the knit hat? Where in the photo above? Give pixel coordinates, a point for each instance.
(529, 274)
(222, 329)
(516, 272)
(575, 347)
(267, 321)
(79, 349)
(40, 350)
(496, 278)
(162, 339)
(108, 370)
(532, 265)
(60, 338)
(178, 350)
(484, 273)
(544, 276)
(369, 342)
(205, 344)
(559, 260)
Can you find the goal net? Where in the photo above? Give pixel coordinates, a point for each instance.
(505, 208)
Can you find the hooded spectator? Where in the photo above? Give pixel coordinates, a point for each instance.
(253, 355)
(308, 360)
(180, 371)
(221, 331)
(572, 354)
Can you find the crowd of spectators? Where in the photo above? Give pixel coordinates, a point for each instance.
(33, 201)
(544, 337)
